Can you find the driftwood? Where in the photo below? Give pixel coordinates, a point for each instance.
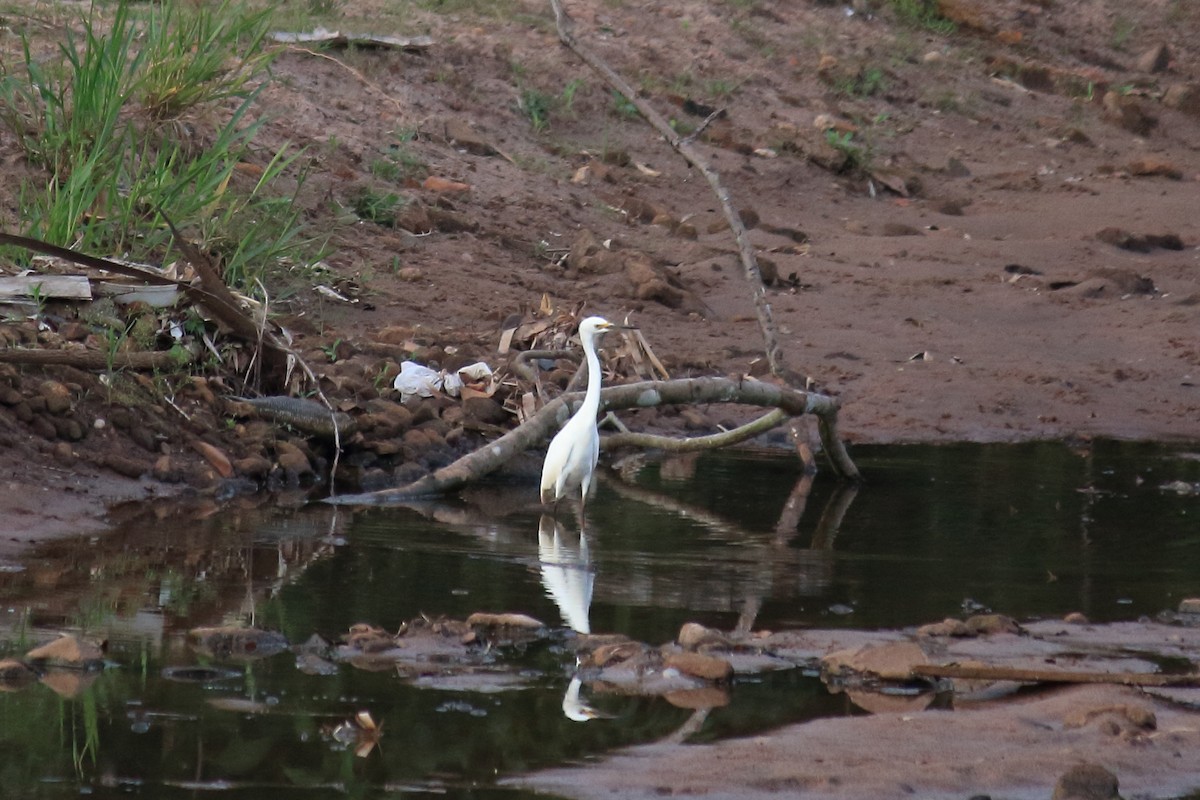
(645, 394)
(1020, 675)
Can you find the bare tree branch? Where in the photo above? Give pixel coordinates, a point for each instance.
(645, 394)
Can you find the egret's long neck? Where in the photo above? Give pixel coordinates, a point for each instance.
(591, 399)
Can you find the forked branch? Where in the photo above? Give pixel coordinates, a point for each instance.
(646, 394)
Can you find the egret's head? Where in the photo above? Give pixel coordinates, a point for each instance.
(593, 327)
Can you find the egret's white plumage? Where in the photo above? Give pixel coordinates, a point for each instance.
(574, 450)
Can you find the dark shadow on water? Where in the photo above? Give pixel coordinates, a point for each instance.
(734, 541)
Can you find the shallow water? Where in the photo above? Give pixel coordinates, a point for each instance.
(726, 540)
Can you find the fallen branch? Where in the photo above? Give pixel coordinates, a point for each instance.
(987, 673)
(739, 434)
(645, 394)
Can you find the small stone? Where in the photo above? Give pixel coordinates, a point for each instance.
(129, 467)
(292, 459)
(444, 185)
(947, 627)
(67, 651)
(252, 466)
(241, 643)
(1189, 605)
(215, 457)
(900, 229)
(1151, 166)
(933, 57)
(58, 397)
(1128, 113)
(14, 674)
(1086, 782)
(891, 661)
(992, 623)
(710, 668)
(410, 274)
(693, 635)
(1076, 618)
(63, 453)
(827, 63)
(483, 410)
(1184, 97)
(1155, 60)
(482, 619)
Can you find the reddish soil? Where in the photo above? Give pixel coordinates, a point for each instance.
(956, 283)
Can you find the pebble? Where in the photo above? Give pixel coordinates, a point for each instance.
(1086, 782)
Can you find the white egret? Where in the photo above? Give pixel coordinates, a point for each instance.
(573, 452)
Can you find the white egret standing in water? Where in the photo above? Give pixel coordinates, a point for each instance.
(574, 450)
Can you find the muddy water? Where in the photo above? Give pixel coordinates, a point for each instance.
(729, 541)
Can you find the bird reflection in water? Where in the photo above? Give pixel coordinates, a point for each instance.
(567, 573)
(568, 578)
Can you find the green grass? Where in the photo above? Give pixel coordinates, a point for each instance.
(113, 122)
(922, 14)
(376, 206)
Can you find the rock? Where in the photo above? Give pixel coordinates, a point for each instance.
(650, 283)
(956, 168)
(444, 185)
(292, 459)
(463, 136)
(1155, 60)
(1115, 718)
(482, 619)
(1127, 112)
(1184, 97)
(414, 218)
(484, 410)
(951, 208)
(899, 229)
(63, 453)
(879, 703)
(988, 624)
(253, 466)
(242, 643)
(1119, 237)
(58, 397)
(693, 636)
(215, 457)
(589, 256)
(709, 668)
(947, 627)
(1189, 605)
(15, 675)
(697, 699)
(69, 652)
(123, 465)
(615, 653)
(891, 661)
(1151, 166)
(1086, 782)
(1076, 618)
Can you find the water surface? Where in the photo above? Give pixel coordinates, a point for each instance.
(725, 540)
